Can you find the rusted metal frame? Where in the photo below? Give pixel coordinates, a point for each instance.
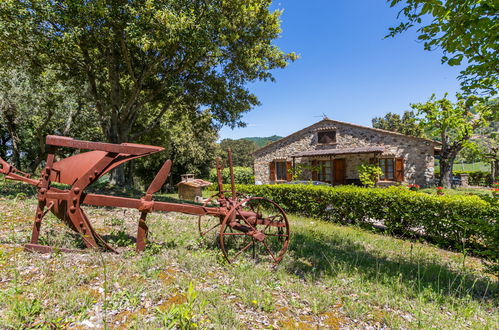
(67, 203)
(17, 177)
(75, 213)
(156, 184)
(133, 203)
(220, 179)
(43, 185)
(231, 168)
(11, 173)
(124, 148)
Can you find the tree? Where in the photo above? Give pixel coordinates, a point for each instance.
(33, 106)
(486, 147)
(454, 124)
(466, 31)
(242, 151)
(189, 138)
(142, 59)
(408, 124)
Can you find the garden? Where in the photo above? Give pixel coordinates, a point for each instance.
(333, 276)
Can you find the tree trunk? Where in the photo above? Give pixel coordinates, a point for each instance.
(447, 157)
(119, 132)
(445, 173)
(494, 166)
(10, 118)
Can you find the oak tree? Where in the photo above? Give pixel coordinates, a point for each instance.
(142, 59)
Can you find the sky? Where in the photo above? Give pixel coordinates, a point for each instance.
(346, 70)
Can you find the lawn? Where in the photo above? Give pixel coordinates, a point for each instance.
(478, 166)
(332, 277)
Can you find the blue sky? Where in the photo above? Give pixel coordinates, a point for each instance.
(346, 69)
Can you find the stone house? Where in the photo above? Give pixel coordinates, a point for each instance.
(331, 150)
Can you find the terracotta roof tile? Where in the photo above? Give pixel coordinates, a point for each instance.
(342, 151)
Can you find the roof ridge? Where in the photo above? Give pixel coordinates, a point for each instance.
(343, 123)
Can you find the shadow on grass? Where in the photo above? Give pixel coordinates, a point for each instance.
(331, 255)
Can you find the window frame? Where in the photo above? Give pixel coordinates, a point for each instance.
(325, 171)
(325, 132)
(384, 168)
(284, 162)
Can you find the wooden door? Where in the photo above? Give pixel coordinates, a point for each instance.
(339, 171)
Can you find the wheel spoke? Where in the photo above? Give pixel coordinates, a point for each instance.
(268, 250)
(242, 250)
(279, 235)
(215, 226)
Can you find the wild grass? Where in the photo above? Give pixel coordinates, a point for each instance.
(332, 277)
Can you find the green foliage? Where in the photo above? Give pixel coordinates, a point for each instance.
(454, 124)
(449, 221)
(24, 310)
(242, 150)
(181, 316)
(369, 174)
(141, 59)
(298, 171)
(465, 30)
(189, 140)
(242, 175)
(408, 124)
(263, 141)
(33, 105)
(477, 178)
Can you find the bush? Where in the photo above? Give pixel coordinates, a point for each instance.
(450, 221)
(476, 178)
(369, 174)
(242, 175)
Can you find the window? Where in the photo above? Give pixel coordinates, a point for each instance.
(326, 137)
(388, 167)
(280, 170)
(324, 174)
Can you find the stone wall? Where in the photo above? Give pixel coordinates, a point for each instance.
(417, 153)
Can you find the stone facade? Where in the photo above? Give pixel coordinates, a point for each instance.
(417, 153)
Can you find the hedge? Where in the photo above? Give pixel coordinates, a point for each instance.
(477, 178)
(455, 221)
(242, 175)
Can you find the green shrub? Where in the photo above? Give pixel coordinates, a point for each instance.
(242, 175)
(477, 178)
(454, 221)
(369, 174)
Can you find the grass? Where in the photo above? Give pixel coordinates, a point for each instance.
(458, 166)
(332, 277)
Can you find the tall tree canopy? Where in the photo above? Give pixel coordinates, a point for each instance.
(454, 124)
(35, 105)
(242, 151)
(466, 30)
(407, 124)
(141, 59)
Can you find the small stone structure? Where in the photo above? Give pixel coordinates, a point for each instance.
(465, 180)
(333, 150)
(190, 189)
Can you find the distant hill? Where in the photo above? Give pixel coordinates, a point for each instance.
(263, 141)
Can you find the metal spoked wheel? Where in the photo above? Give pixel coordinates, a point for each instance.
(208, 225)
(255, 227)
